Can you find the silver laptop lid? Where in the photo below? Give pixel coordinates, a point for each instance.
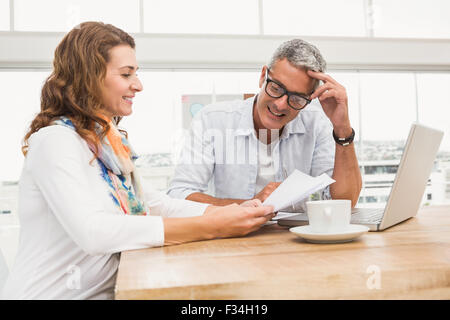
(412, 174)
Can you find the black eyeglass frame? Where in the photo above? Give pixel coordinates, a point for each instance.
(286, 92)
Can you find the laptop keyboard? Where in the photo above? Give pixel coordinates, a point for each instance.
(367, 216)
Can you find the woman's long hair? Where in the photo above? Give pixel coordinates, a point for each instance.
(74, 88)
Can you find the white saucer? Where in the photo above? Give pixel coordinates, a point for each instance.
(353, 231)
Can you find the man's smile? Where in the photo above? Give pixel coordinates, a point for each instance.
(279, 115)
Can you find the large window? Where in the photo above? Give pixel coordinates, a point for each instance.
(4, 15)
(316, 18)
(57, 15)
(382, 106)
(434, 110)
(157, 117)
(201, 16)
(21, 92)
(342, 18)
(411, 19)
(389, 107)
(434, 104)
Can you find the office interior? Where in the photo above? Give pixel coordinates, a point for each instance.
(392, 57)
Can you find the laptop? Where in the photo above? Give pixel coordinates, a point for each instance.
(408, 188)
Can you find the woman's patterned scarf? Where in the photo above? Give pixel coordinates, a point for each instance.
(116, 160)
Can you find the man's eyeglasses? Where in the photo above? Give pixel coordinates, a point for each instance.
(276, 90)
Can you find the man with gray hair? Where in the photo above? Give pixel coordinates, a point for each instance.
(247, 148)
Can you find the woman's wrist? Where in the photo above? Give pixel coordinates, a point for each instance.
(209, 209)
(182, 230)
(206, 224)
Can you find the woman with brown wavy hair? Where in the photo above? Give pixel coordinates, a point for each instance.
(80, 201)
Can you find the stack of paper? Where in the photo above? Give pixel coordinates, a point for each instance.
(297, 187)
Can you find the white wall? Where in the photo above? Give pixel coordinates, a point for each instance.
(35, 49)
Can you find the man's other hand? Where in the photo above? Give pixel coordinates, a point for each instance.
(267, 190)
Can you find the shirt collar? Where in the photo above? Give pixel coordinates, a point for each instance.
(246, 126)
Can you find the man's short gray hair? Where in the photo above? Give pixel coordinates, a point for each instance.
(300, 54)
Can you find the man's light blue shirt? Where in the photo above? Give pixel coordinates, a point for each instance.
(222, 148)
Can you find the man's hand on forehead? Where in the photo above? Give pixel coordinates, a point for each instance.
(333, 98)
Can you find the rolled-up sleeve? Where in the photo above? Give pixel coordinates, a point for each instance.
(161, 204)
(196, 163)
(323, 157)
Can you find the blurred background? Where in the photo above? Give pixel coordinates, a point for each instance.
(393, 57)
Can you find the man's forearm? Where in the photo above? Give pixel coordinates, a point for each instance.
(204, 198)
(347, 174)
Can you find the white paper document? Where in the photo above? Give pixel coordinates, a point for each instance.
(297, 187)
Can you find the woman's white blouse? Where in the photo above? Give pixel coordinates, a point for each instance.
(71, 232)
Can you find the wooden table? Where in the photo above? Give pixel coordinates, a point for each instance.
(408, 261)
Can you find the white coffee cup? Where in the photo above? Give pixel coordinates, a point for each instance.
(329, 216)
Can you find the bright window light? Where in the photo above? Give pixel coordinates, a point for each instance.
(388, 105)
(156, 121)
(21, 91)
(434, 97)
(57, 15)
(201, 16)
(314, 18)
(4, 15)
(412, 18)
